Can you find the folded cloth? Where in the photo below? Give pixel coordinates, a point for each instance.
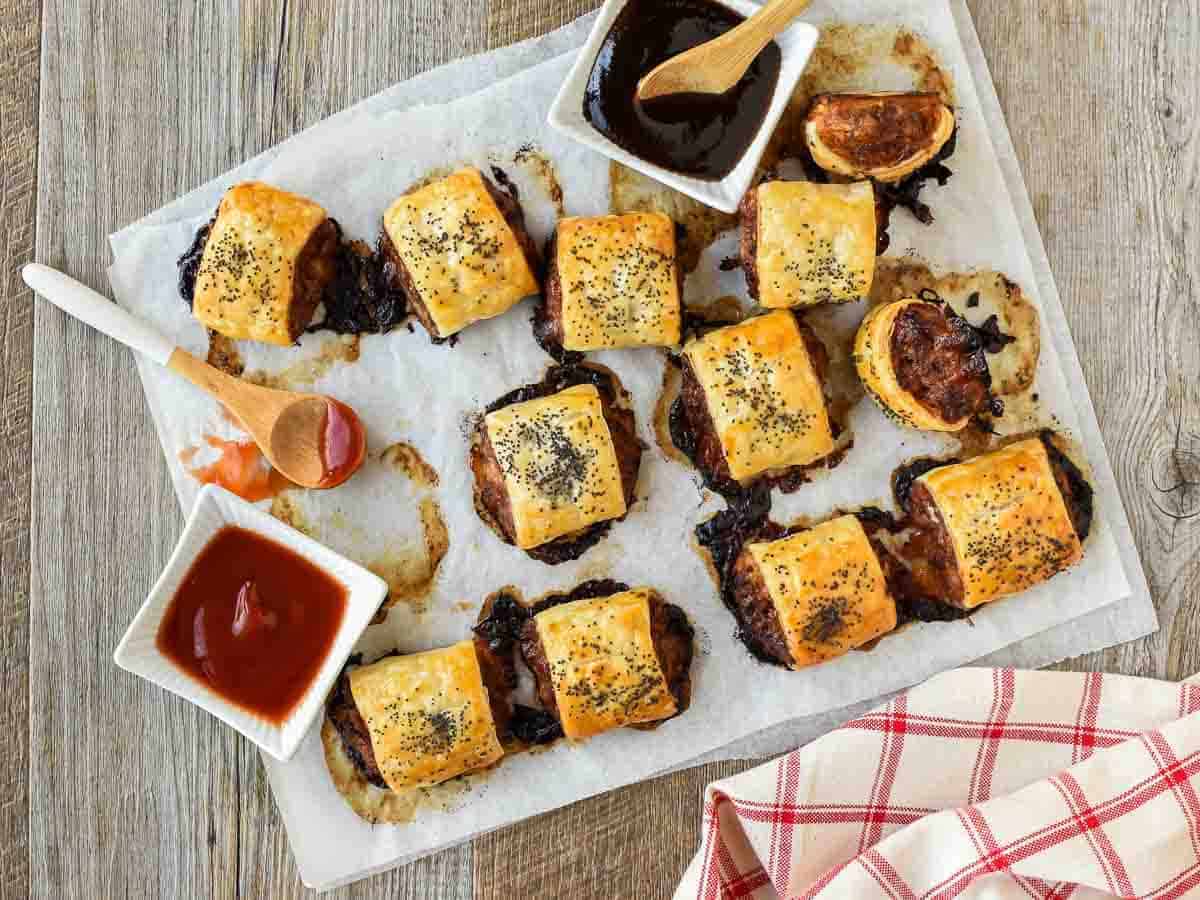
(979, 783)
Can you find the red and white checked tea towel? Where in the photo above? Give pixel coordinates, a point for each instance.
(979, 783)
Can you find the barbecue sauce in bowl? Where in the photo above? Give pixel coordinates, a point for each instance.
(701, 135)
(254, 621)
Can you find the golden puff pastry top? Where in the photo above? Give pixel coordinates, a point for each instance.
(827, 588)
(619, 281)
(873, 360)
(603, 665)
(427, 714)
(1006, 519)
(460, 253)
(763, 394)
(559, 464)
(246, 285)
(816, 242)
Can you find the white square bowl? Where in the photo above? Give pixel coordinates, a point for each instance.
(138, 653)
(796, 44)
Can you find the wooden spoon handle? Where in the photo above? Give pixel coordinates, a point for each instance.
(80, 301)
(208, 378)
(756, 32)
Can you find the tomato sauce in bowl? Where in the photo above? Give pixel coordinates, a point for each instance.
(254, 621)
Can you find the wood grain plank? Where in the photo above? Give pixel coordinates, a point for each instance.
(136, 793)
(1103, 103)
(632, 842)
(510, 21)
(19, 46)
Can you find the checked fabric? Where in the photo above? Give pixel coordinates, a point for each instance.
(981, 783)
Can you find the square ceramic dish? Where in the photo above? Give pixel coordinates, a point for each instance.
(566, 112)
(138, 653)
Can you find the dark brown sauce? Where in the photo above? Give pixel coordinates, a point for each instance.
(701, 135)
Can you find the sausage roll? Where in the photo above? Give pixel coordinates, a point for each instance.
(804, 243)
(814, 594)
(613, 281)
(267, 259)
(553, 466)
(885, 136)
(997, 524)
(754, 394)
(459, 251)
(427, 715)
(610, 661)
(923, 364)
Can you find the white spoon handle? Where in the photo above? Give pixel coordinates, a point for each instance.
(95, 309)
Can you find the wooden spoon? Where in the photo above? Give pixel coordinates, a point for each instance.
(312, 440)
(717, 65)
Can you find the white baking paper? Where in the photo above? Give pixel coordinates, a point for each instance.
(408, 389)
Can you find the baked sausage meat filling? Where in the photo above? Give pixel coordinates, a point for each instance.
(491, 494)
(670, 630)
(929, 550)
(401, 279)
(499, 677)
(694, 434)
(940, 360)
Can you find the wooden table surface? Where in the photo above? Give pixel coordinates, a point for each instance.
(109, 109)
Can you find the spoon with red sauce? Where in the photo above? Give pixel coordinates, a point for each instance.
(313, 440)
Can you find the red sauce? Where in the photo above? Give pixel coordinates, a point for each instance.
(254, 621)
(343, 444)
(240, 468)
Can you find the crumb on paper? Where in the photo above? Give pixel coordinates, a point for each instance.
(223, 354)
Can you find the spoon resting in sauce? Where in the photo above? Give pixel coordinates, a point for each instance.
(717, 65)
(313, 440)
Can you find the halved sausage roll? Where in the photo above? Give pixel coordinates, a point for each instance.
(608, 662)
(459, 251)
(267, 259)
(885, 136)
(804, 243)
(923, 364)
(417, 720)
(814, 594)
(554, 466)
(754, 398)
(613, 281)
(997, 524)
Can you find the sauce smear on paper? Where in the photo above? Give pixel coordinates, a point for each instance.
(240, 468)
(254, 621)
